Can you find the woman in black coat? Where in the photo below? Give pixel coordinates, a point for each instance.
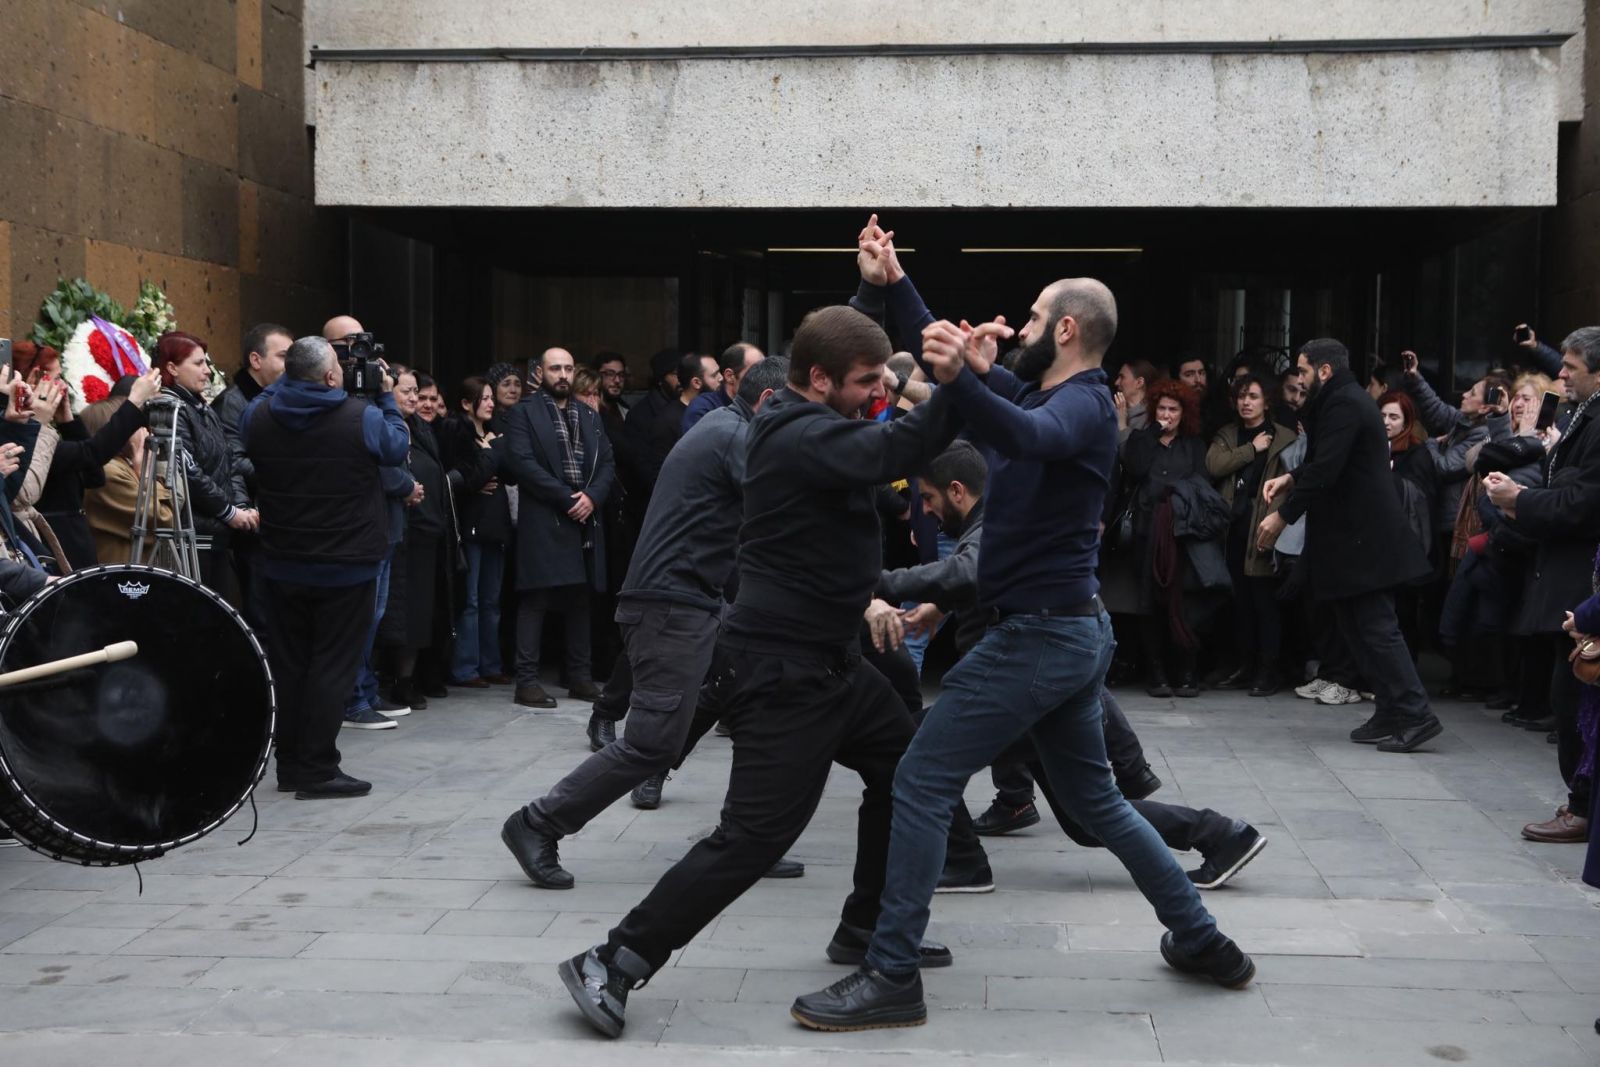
(466, 446)
(185, 374)
(1154, 459)
(1418, 482)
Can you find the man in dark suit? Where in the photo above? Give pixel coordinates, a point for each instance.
(1357, 545)
(558, 455)
(1564, 517)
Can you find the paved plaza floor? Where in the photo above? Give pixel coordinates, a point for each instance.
(1396, 918)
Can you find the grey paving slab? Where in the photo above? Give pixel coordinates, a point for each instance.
(164, 971)
(302, 917)
(73, 940)
(103, 1008)
(353, 976)
(165, 942)
(1366, 1003)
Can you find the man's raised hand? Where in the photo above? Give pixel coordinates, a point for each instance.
(983, 342)
(944, 346)
(872, 253)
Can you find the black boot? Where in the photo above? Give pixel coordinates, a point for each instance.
(536, 852)
(849, 945)
(1223, 962)
(1187, 687)
(601, 732)
(600, 987)
(1158, 686)
(1266, 683)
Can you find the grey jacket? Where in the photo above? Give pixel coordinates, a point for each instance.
(1462, 433)
(20, 581)
(689, 539)
(950, 584)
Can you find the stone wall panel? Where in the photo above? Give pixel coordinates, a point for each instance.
(203, 28)
(210, 203)
(205, 295)
(197, 109)
(283, 54)
(274, 146)
(39, 258)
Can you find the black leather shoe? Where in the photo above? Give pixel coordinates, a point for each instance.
(1004, 819)
(1224, 963)
(849, 946)
(953, 881)
(1187, 687)
(1139, 784)
(786, 868)
(1158, 687)
(406, 693)
(584, 691)
(1539, 725)
(340, 785)
(1230, 859)
(1412, 735)
(865, 1000)
(1378, 728)
(1266, 684)
(647, 794)
(385, 707)
(536, 852)
(600, 988)
(601, 732)
(1236, 680)
(532, 696)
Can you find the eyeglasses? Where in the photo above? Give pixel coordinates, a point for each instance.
(613, 374)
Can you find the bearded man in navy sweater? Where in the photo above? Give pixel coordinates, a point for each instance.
(1049, 433)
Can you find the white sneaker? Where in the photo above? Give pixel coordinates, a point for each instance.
(1338, 694)
(1312, 689)
(1368, 697)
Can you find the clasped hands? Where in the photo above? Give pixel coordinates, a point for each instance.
(889, 625)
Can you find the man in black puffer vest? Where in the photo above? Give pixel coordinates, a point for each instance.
(324, 532)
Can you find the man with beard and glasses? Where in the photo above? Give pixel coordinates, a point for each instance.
(797, 695)
(559, 458)
(1358, 546)
(1049, 433)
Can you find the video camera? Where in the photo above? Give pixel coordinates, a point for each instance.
(361, 359)
(161, 415)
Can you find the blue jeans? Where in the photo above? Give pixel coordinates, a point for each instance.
(478, 625)
(366, 691)
(1041, 677)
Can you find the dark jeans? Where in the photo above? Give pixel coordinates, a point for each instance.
(1015, 773)
(314, 642)
(1013, 784)
(670, 647)
(574, 602)
(1368, 627)
(478, 625)
(364, 694)
(794, 712)
(1569, 743)
(1335, 662)
(1040, 677)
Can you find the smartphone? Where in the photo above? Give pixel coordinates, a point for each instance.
(5, 352)
(1547, 411)
(1495, 396)
(1523, 334)
(1408, 361)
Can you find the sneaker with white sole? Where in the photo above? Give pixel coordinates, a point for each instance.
(1312, 689)
(367, 719)
(1335, 695)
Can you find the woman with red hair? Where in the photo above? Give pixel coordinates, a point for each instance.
(1155, 458)
(219, 501)
(1419, 483)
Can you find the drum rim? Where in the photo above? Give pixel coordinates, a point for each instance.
(15, 618)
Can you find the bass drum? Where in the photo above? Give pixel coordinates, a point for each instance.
(121, 762)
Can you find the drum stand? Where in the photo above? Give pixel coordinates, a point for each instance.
(176, 547)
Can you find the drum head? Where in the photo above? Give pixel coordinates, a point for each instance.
(120, 762)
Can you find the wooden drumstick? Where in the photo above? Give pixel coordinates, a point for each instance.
(110, 654)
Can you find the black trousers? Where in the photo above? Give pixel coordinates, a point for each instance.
(1257, 625)
(575, 603)
(316, 637)
(1369, 629)
(671, 645)
(794, 712)
(1564, 705)
(1335, 662)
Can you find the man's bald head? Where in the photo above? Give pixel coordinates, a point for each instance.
(559, 355)
(341, 326)
(1090, 305)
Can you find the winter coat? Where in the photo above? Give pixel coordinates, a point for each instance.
(484, 518)
(1150, 468)
(1200, 520)
(1563, 518)
(79, 464)
(1225, 458)
(552, 549)
(1357, 539)
(1461, 433)
(209, 465)
(229, 406)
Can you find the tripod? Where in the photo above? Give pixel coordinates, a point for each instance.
(165, 463)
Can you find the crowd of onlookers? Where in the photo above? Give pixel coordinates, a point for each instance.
(525, 485)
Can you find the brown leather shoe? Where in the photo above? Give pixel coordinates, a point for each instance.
(1565, 828)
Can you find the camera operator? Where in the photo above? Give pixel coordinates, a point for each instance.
(318, 455)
